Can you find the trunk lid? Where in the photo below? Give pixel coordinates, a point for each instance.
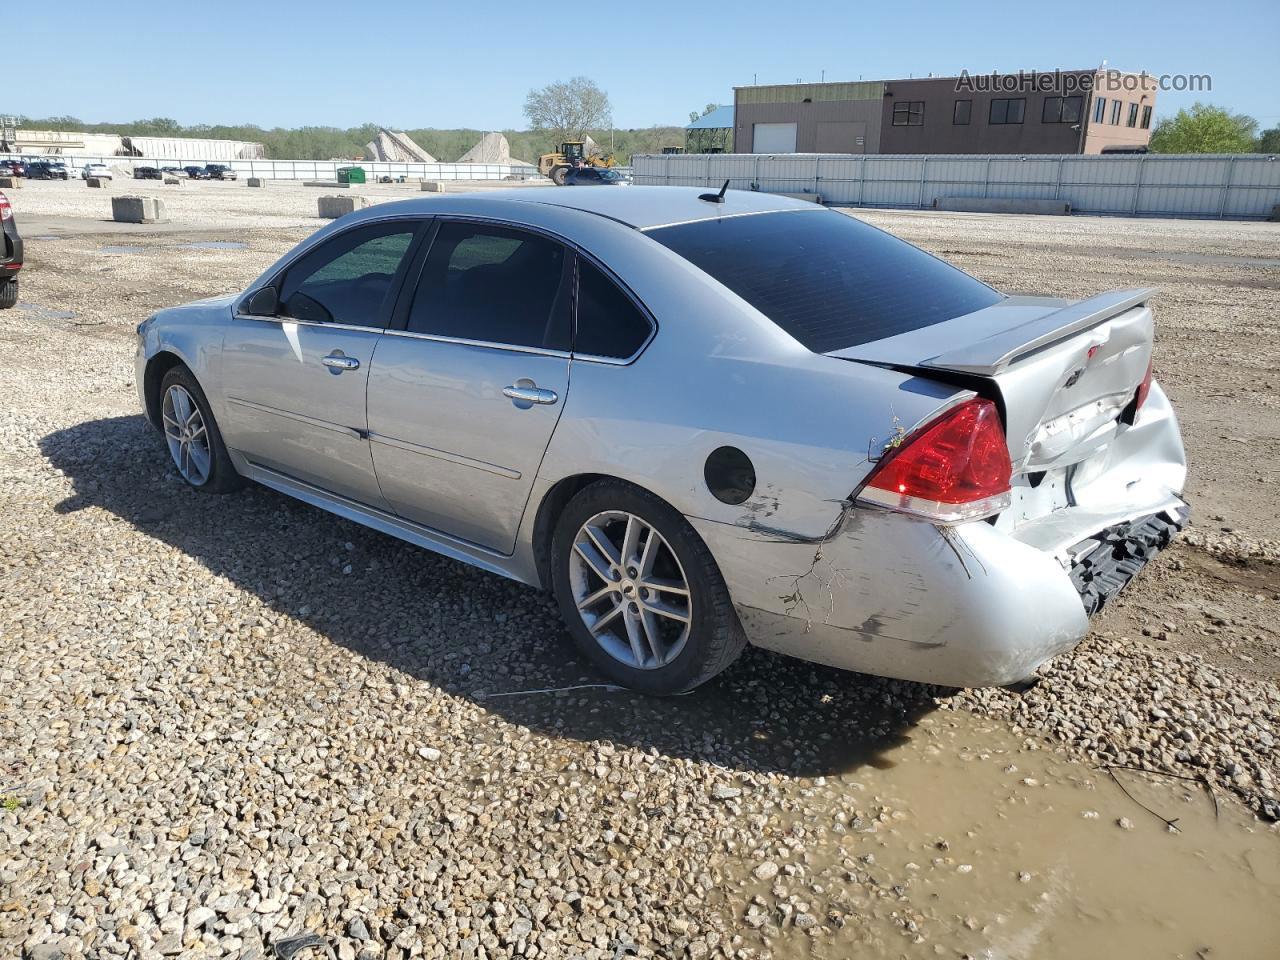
(1064, 371)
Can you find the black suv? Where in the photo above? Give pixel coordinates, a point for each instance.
(10, 255)
(219, 171)
(196, 173)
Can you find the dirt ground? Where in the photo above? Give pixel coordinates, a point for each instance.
(231, 720)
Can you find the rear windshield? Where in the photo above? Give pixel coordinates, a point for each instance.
(825, 278)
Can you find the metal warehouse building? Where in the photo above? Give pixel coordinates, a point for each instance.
(1077, 111)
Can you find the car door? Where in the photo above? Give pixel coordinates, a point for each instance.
(464, 396)
(295, 382)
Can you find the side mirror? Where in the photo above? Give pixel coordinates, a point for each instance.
(262, 303)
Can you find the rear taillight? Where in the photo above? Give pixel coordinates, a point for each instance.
(1144, 388)
(6, 211)
(955, 468)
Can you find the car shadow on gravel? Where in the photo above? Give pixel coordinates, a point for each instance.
(475, 634)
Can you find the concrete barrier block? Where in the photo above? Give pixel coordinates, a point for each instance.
(331, 208)
(431, 186)
(255, 182)
(1275, 214)
(172, 181)
(97, 182)
(811, 197)
(1042, 205)
(331, 184)
(10, 183)
(137, 209)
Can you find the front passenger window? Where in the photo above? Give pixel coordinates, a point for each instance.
(348, 279)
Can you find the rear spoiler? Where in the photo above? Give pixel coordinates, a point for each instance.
(987, 357)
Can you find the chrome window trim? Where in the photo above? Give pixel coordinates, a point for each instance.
(486, 344)
(334, 325)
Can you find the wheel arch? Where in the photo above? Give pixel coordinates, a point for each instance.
(552, 505)
(157, 366)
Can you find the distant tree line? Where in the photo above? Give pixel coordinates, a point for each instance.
(324, 143)
(1203, 128)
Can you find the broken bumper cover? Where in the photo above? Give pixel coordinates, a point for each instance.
(964, 606)
(1103, 565)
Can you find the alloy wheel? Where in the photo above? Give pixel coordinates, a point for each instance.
(186, 434)
(630, 590)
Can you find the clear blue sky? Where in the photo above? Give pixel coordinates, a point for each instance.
(421, 64)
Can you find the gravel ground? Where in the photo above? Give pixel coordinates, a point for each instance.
(229, 720)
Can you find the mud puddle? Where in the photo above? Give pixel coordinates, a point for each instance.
(969, 842)
(160, 248)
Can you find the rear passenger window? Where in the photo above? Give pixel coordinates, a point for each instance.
(609, 323)
(492, 284)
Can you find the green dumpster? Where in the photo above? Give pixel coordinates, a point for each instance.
(351, 175)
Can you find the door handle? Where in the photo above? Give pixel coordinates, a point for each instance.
(339, 361)
(526, 393)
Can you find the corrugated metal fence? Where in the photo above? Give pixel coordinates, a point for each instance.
(316, 169)
(1241, 185)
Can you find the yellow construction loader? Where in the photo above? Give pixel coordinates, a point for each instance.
(572, 153)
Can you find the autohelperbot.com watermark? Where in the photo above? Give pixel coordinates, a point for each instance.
(1104, 80)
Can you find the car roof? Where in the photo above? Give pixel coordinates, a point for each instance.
(639, 207)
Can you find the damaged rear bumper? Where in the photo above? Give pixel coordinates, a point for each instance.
(971, 605)
(965, 606)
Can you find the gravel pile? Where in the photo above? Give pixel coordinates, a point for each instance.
(229, 721)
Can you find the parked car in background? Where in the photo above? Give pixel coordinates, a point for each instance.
(147, 173)
(596, 177)
(196, 173)
(10, 255)
(48, 170)
(701, 419)
(13, 168)
(219, 171)
(99, 171)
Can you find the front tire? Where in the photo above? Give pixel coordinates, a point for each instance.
(640, 592)
(192, 435)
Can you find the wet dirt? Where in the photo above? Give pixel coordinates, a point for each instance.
(966, 836)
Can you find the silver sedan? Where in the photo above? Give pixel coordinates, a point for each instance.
(701, 420)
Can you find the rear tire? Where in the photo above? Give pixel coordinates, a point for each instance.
(9, 294)
(198, 453)
(660, 640)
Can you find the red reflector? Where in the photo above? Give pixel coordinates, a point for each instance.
(1144, 388)
(955, 468)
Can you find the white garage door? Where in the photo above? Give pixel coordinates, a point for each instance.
(773, 138)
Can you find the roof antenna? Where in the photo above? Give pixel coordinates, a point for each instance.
(715, 197)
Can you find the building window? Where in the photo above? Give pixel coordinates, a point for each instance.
(908, 113)
(1133, 116)
(1146, 118)
(1115, 112)
(1008, 110)
(963, 109)
(1061, 110)
(1100, 110)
